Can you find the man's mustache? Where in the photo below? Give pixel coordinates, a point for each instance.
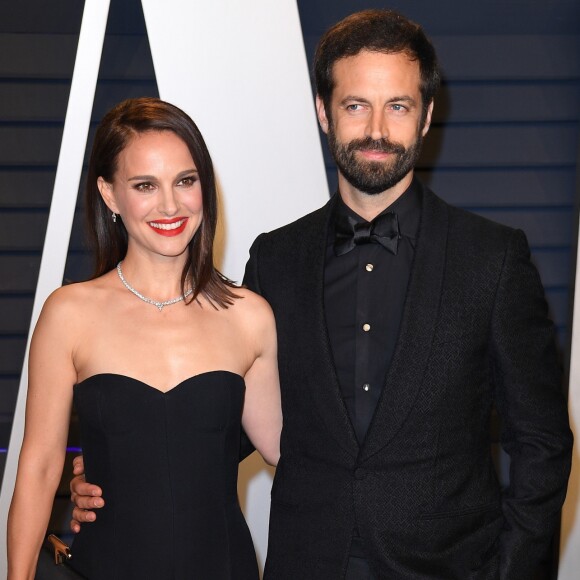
(381, 145)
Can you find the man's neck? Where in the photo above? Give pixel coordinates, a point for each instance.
(370, 206)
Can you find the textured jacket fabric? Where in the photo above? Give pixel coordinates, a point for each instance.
(421, 489)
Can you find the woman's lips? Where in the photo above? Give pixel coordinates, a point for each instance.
(169, 228)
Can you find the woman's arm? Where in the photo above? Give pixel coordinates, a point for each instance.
(51, 375)
(262, 416)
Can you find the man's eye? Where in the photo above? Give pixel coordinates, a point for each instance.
(397, 107)
(354, 107)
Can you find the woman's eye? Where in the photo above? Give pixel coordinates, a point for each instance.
(145, 187)
(187, 181)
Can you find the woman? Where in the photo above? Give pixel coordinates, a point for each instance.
(164, 356)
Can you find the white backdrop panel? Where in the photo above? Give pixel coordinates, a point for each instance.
(569, 568)
(239, 70)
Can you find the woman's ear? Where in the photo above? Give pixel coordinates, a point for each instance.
(107, 193)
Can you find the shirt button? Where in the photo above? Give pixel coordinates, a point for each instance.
(366, 327)
(366, 387)
(369, 267)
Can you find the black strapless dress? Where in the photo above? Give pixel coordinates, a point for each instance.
(168, 467)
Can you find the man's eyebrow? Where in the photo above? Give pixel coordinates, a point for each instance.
(404, 98)
(353, 98)
(395, 99)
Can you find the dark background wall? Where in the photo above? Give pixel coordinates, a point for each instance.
(504, 143)
(38, 41)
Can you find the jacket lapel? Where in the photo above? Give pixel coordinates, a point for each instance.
(407, 368)
(328, 400)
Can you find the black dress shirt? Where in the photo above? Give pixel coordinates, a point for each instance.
(364, 295)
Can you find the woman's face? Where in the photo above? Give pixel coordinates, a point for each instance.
(157, 193)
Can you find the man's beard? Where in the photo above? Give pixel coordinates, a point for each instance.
(373, 177)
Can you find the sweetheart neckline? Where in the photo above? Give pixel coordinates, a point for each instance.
(140, 382)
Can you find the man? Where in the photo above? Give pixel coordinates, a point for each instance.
(402, 322)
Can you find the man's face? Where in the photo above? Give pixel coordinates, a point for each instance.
(374, 125)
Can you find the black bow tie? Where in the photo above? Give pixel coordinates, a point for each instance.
(384, 230)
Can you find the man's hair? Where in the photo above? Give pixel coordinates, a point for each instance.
(384, 31)
(109, 240)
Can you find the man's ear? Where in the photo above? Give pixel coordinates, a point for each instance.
(428, 116)
(321, 114)
(106, 191)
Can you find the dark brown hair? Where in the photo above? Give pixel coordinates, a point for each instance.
(109, 240)
(376, 31)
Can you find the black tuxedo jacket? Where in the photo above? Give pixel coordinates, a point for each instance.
(421, 490)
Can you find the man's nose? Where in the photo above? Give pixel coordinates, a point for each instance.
(377, 127)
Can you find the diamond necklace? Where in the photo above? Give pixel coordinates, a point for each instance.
(159, 305)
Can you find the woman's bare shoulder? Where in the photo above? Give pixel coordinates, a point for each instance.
(69, 299)
(254, 317)
(249, 303)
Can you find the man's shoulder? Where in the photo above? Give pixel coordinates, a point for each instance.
(306, 221)
(282, 252)
(312, 223)
(467, 223)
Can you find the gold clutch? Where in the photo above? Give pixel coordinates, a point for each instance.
(61, 550)
(54, 561)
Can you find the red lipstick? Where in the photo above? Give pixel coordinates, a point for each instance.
(169, 227)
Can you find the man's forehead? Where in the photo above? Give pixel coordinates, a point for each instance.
(374, 67)
(365, 52)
